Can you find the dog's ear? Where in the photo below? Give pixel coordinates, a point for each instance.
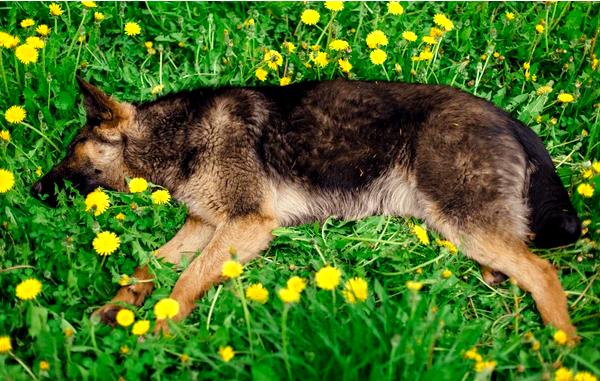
(99, 106)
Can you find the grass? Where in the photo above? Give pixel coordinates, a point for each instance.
(396, 333)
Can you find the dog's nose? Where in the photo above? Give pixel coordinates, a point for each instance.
(36, 190)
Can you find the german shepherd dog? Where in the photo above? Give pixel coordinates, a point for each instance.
(248, 160)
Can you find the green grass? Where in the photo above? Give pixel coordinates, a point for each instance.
(396, 333)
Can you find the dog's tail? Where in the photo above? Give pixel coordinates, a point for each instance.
(552, 217)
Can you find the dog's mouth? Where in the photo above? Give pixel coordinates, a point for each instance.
(46, 188)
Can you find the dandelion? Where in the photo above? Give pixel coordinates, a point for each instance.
(526, 65)
(97, 201)
(355, 289)
(543, 90)
(258, 293)
(472, 354)
(68, 332)
(124, 280)
(132, 29)
(560, 337)
(296, 283)
(378, 57)
(345, 65)
(125, 317)
(284, 81)
(27, 23)
(409, 36)
(563, 374)
(232, 269)
(585, 376)
(137, 185)
(328, 278)
(291, 48)
(425, 55)
(161, 196)
(485, 366)
(587, 173)
(509, 16)
(436, 32)
(106, 243)
(273, 59)
(89, 4)
(321, 59)
(43, 30)
(535, 346)
(166, 308)
(565, 98)
(414, 286)
(395, 8)
(26, 54)
(5, 135)
(124, 349)
(35, 42)
(376, 39)
(446, 274)
(288, 295)
(184, 358)
(429, 40)
(586, 190)
(443, 21)
(7, 180)
(421, 234)
(120, 217)
(539, 28)
(157, 89)
(226, 353)
(448, 245)
(261, 74)
(98, 16)
(44, 365)
(140, 327)
(28, 289)
(55, 9)
(5, 345)
(339, 45)
(596, 166)
(310, 17)
(334, 6)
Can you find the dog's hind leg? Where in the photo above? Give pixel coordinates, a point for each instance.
(192, 237)
(245, 236)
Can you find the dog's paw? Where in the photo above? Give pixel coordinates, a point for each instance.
(162, 327)
(493, 278)
(108, 314)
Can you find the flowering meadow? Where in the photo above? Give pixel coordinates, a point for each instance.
(382, 298)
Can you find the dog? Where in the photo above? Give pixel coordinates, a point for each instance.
(246, 160)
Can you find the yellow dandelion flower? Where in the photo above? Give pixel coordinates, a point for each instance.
(429, 40)
(5, 135)
(106, 243)
(472, 354)
(7, 180)
(125, 317)
(28, 289)
(587, 173)
(184, 358)
(414, 286)
(284, 81)
(443, 21)
(409, 36)
(226, 353)
(232, 269)
(97, 201)
(485, 366)
(378, 56)
(560, 337)
(161, 196)
(395, 8)
(261, 74)
(273, 59)
(99, 16)
(291, 48)
(296, 283)
(148, 44)
(436, 32)
(585, 376)
(425, 55)
(345, 65)
(535, 346)
(44, 365)
(421, 234)
(328, 278)
(310, 17)
(334, 6)
(157, 89)
(5, 344)
(289, 296)
(563, 374)
(137, 185)
(596, 166)
(27, 23)
(3, 38)
(26, 54)
(89, 4)
(43, 30)
(166, 308)
(55, 9)
(120, 217)
(355, 289)
(376, 39)
(448, 245)
(526, 65)
(539, 28)
(68, 332)
(11, 41)
(565, 98)
(132, 29)
(35, 42)
(321, 59)
(586, 190)
(124, 280)
(446, 274)
(258, 293)
(543, 90)
(124, 349)
(140, 327)
(339, 45)
(509, 16)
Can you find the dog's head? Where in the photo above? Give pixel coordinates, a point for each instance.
(95, 158)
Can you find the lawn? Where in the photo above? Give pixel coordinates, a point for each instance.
(428, 313)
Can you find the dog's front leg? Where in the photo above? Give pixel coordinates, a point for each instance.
(246, 236)
(193, 236)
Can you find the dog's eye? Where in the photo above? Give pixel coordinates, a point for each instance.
(97, 171)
